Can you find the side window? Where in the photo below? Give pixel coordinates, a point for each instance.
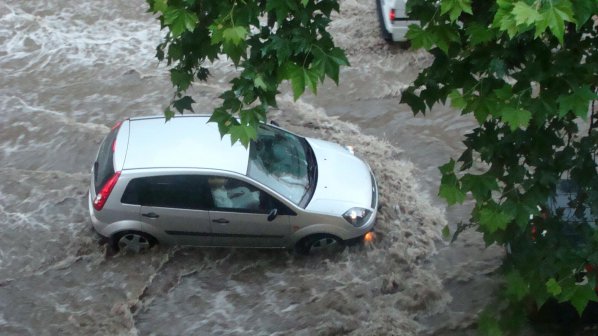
(169, 191)
(235, 195)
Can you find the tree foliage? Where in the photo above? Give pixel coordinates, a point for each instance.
(269, 41)
(527, 70)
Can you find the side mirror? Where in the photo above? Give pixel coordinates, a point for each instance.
(273, 213)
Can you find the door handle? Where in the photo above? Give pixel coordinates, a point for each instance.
(220, 220)
(150, 215)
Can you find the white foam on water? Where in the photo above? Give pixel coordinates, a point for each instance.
(73, 38)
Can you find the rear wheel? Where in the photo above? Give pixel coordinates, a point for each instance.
(319, 243)
(133, 241)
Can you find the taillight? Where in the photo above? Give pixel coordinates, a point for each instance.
(102, 196)
(391, 15)
(534, 232)
(117, 125)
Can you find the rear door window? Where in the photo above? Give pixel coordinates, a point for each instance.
(103, 168)
(168, 191)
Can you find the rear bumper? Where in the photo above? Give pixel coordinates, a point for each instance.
(96, 225)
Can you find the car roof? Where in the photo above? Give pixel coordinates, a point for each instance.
(182, 142)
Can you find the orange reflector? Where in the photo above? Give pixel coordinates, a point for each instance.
(368, 237)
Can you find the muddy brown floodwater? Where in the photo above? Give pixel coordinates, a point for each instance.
(69, 70)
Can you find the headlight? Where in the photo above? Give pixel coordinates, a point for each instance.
(357, 216)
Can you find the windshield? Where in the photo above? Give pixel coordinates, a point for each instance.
(283, 162)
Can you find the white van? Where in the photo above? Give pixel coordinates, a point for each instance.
(393, 19)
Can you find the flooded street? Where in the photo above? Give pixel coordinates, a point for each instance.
(70, 70)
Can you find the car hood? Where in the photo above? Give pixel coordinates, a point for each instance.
(344, 180)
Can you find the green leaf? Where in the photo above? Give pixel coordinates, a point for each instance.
(583, 10)
(447, 168)
(492, 220)
(258, 81)
(451, 193)
(338, 56)
(515, 117)
(446, 232)
(517, 287)
(168, 113)
(505, 21)
(553, 287)
(243, 134)
(280, 8)
(183, 104)
(416, 103)
(180, 20)
(577, 102)
(457, 100)
(159, 6)
(581, 297)
(504, 93)
(181, 79)
(234, 35)
(525, 15)
(419, 37)
(481, 186)
(555, 17)
(443, 35)
(479, 34)
(455, 7)
(311, 80)
(488, 325)
(235, 52)
(295, 74)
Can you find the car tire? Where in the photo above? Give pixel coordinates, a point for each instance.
(386, 35)
(319, 244)
(133, 241)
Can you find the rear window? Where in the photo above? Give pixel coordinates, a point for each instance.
(169, 191)
(103, 168)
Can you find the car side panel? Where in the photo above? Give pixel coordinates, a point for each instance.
(183, 226)
(249, 229)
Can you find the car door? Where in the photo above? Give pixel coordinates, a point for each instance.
(173, 206)
(243, 215)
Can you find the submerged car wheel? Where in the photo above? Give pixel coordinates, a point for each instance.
(133, 241)
(320, 243)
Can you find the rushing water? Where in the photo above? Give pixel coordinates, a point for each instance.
(69, 70)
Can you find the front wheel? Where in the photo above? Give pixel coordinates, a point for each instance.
(133, 241)
(319, 243)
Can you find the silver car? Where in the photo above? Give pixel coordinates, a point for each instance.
(180, 182)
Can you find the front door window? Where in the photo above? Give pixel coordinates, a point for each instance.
(240, 215)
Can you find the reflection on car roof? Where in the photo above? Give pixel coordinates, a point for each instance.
(182, 142)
